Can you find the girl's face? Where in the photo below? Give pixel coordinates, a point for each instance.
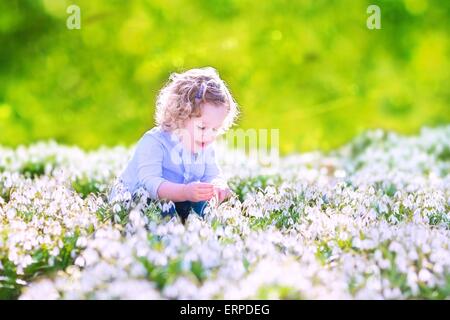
(199, 132)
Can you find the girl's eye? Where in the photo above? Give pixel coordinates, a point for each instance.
(201, 128)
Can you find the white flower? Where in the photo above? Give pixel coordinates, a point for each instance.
(117, 208)
(313, 234)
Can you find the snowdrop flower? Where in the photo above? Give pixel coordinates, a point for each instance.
(318, 225)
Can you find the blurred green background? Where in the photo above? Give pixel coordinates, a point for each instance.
(310, 68)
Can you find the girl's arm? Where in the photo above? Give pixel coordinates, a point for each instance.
(149, 157)
(150, 154)
(194, 191)
(172, 191)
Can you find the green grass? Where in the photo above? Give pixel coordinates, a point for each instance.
(309, 68)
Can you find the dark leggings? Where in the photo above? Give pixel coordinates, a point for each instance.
(184, 208)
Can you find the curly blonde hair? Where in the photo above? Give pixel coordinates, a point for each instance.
(184, 94)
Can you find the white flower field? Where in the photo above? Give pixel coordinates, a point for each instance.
(370, 220)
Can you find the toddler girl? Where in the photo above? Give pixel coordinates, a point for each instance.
(176, 160)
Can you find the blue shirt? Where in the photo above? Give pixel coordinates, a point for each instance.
(159, 156)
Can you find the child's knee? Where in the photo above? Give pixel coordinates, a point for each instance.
(199, 207)
(183, 209)
(167, 209)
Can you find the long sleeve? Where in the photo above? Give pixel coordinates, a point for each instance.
(149, 160)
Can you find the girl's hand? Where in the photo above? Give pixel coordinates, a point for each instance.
(198, 191)
(222, 194)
